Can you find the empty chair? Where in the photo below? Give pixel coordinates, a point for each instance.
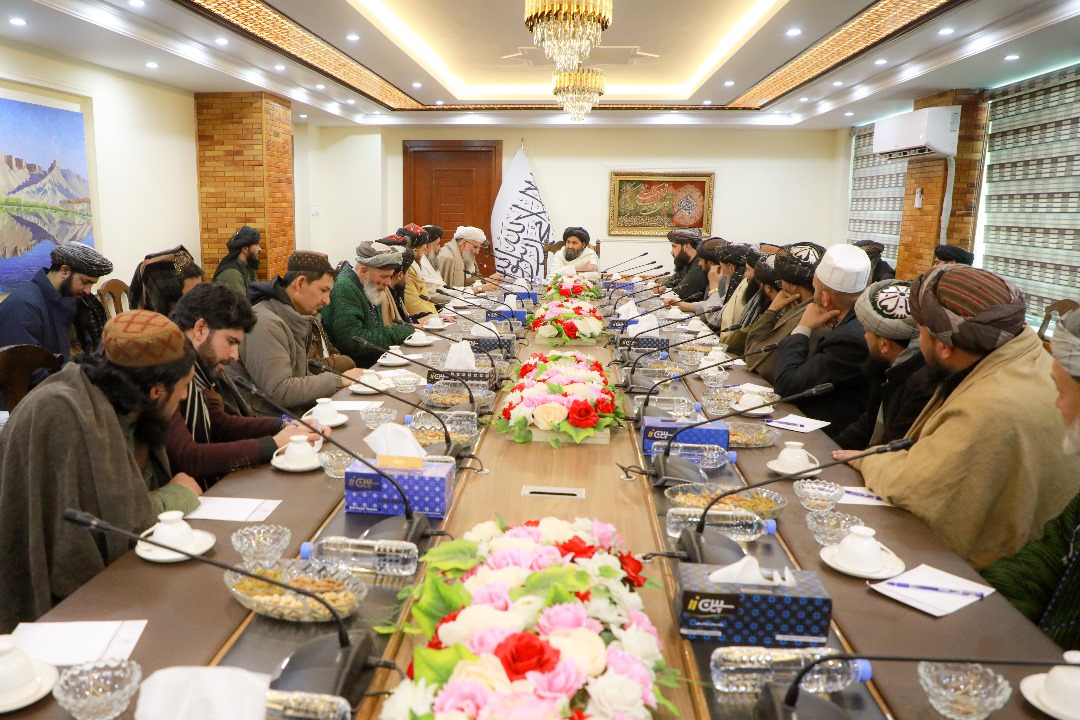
(19, 366)
(114, 296)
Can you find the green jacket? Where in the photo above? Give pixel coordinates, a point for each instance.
(236, 274)
(1043, 579)
(349, 315)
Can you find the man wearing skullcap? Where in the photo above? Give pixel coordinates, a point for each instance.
(952, 255)
(689, 280)
(356, 304)
(274, 355)
(899, 380)
(238, 268)
(794, 265)
(90, 437)
(827, 345)
(575, 257)
(879, 268)
(457, 259)
(1043, 579)
(987, 469)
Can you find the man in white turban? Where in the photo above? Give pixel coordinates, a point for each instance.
(457, 259)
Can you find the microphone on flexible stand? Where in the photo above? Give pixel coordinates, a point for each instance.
(661, 326)
(608, 270)
(442, 334)
(653, 265)
(610, 294)
(412, 527)
(481, 307)
(332, 665)
(692, 541)
(365, 341)
(629, 379)
(649, 393)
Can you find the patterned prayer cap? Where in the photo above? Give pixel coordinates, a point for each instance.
(1065, 345)
(967, 307)
(244, 237)
(797, 262)
(752, 256)
(309, 261)
(377, 255)
(81, 258)
(141, 338)
(885, 310)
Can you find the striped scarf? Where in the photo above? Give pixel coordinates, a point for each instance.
(196, 414)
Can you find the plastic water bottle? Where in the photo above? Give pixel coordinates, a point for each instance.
(298, 705)
(384, 557)
(739, 525)
(742, 669)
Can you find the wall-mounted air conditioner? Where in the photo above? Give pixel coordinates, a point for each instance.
(927, 133)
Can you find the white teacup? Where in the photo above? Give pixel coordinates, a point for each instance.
(435, 323)
(1061, 689)
(298, 452)
(860, 550)
(749, 400)
(419, 336)
(16, 670)
(324, 411)
(794, 458)
(395, 349)
(171, 530)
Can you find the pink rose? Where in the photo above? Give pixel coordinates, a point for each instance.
(497, 595)
(562, 682)
(485, 641)
(514, 557)
(623, 663)
(641, 621)
(546, 557)
(520, 706)
(524, 531)
(566, 616)
(605, 534)
(467, 696)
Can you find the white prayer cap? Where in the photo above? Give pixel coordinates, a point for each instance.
(470, 233)
(844, 268)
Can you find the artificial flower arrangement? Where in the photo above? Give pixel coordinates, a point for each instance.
(539, 621)
(569, 286)
(566, 393)
(561, 321)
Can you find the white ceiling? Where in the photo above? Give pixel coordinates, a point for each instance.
(476, 52)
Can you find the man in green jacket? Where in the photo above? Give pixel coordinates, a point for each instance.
(355, 309)
(1043, 579)
(237, 269)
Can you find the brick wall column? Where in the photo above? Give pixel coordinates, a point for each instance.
(245, 175)
(920, 228)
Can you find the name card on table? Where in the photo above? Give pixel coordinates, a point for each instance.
(488, 376)
(505, 314)
(492, 343)
(650, 343)
(619, 325)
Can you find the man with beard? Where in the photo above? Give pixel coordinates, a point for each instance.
(763, 272)
(274, 355)
(91, 437)
(237, 269)
(987, 469)
(952, 255)
(356, 304)
(205, 440)
(689, 281)
(575, 257)
(899, 380)
(1043, 579)
(457, 259)
(879, 268)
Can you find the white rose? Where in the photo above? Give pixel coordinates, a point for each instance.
(452, 715)
(579, 389)
(553, 530)
(602, 609)
(510, 576)
(549, 414)
(521, 411)
(610, 694)
(547, 331)
(527, 608)
(515, 397)
(596, 562)
(584, 647)
(409, 698)
(475, 618)
(487, 670)
(512, 543)
(483, 531)
(592, 325)
(623, 596)
(639, 643)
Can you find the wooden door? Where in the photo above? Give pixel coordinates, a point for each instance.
(453, 182)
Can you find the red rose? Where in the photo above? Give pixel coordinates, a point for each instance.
(596, 366)
(570, 329)
(525, 652)
(582, 414)
(526, 369)
(576, 546)
(577, 311)
(564, 292)
(578, 288)
(604, 406)
(578, 715)
(506, 412)
(531, 523)
(631, 566)
(584, 596)
(537, 323)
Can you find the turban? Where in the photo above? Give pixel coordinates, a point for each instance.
(752, 256)
(797, 262)
(967, 307)
(141, 339)
(732, 254)
(470, 233)
(158, 282)
(416, 235)
(765, 271)
(434, 232)
(81, 258)
(1065, 345)
(844, 268)
(885, 310)
(244, 237)
(378, 255)
(951, 253)
(710, 249)
(685, 236)
(579, 232)
(309, 261)
(872, 248)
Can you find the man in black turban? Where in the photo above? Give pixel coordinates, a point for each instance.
(238, 268)
(952, 255)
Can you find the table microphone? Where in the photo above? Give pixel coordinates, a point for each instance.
(412, 527)
(633, 365)
(648, 266)
(660, 326)
(328, 664)
(481, 307)
(609, 269)
(613, 290)
(365, 341)
(649, 393)
(691, 540)
(442, 334)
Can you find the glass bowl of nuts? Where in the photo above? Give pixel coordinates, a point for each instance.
(339, 587)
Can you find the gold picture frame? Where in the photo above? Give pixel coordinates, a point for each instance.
(654, 203)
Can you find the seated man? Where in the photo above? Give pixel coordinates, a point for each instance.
(274, 355)
(689, 281)
(407, 287)
(769, 285)
(879, 268)
(575, 257)
(237, 269)
(356, 304)
(161, 279)
(794, 265)
(1043, 579)
(205, 440)
(425, 265)
(899, 380)
(828, 346)
(679, 236)
(457, 259)
(952, 255)
(91, 437)
(987, 469)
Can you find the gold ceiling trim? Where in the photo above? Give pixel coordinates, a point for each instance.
(882, 19)
(268, 26)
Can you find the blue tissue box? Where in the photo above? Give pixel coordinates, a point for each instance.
(734, 614)
(655, 429)
(505, 314)
(529, 295)
(429, 489)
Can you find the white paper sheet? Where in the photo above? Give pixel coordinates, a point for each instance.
(932, 602)
(752, 388)
(862, 496)
(797, 423)
(397, 372)
(356, 405)
(73, 643)
(233, 509)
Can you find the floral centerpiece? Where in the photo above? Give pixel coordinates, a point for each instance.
(565, 393)
(561, 321)
(539, 621)
(569, 286)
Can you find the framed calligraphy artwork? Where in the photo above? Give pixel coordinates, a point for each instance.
(646, 203)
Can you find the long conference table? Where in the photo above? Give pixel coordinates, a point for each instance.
(193, 620)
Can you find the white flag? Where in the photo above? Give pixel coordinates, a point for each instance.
(519, 223)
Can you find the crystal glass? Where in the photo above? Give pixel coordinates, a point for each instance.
(963, 691)
(818, 494)
(298, 705)
(435, 359)
(714, 378)
(688, 359)
(716, 402)
(334, 462)
(406, 384)
(99, 690)
(262, 543)
(679, 337)
(378, 416)
(829, 527)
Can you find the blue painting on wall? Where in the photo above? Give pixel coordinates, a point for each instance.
(44, 191)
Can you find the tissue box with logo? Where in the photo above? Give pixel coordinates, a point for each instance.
(657, 429)
(429, 489)
(735, 614)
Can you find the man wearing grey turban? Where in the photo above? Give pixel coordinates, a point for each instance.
(1043, 579)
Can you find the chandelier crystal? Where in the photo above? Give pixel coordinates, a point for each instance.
(578, 90)
(568, 30)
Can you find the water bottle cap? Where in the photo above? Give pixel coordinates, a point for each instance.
(428, 386)
(408, 420)
(863, 671)
(306, 550)
(733, 457)
(770, 527)
(663, 355)
(697, 407)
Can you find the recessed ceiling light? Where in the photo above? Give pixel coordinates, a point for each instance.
(152, 65)
(438, 102)
(837, 83)
(279, 68)
(880, 61)
(376, 112)
(706, 102)
(804, 99)
(320, 86)
(945, 31)
(778, 112)
(17, 22)
(303, 116)
(848, 114)
(350, 101)
(222, 41)
(1012, 57)
(729, 83)
(793, 32)
(352, 37)
(136, 3)
(418, 85)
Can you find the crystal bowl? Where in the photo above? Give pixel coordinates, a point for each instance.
(339, 587)
(963, 691)
(435, 359)
(450, 393)
(714, 378)
(406, 384)
(688, 359)
(99, 690)
(752, 435)
(764, 503)
(829, 527)
(715, 401)
(334, 462)
(818, 494)
(262, 543)
(378, 416)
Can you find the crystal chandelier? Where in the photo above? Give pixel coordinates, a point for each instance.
(567, 30)
(578, 90)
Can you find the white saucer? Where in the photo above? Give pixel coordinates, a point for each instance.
(893, 565)
(760, 412)
(422, 343)
(341, 419)
(278, 461)
(202, 542)
(1031, 688)
(776, 469)
(45, 677)
(361, 390)
(392, 361)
